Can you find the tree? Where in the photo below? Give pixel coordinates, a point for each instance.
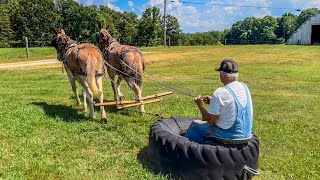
(33, 19)
(126, 24)
(268, 26)
(287, 24)
(5, 27)
(149, 27)
(173, 29)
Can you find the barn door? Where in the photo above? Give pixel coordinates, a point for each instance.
(315, 36)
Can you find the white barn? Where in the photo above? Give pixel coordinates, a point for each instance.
(308, 33)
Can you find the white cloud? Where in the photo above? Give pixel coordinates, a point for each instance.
(131, 5)
(215, 15)
(152, 3)
(85, 2)
(116, 8)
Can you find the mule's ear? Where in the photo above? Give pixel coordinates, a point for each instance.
(108, 27)
(100, 25)
(62, 31)
(54, 31)
(79, 37)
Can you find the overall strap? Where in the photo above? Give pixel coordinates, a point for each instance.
(234, 97)
(247, 94)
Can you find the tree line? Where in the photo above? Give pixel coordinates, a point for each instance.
(34, 19)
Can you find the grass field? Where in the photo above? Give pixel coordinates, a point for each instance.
(43, 135)
(10, 55)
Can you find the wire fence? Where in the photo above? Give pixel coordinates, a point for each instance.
(145, 42)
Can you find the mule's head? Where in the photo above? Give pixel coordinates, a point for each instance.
(60, 42)
(104, 37)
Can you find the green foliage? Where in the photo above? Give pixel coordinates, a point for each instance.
(306, 14)
(150, 28)
(33, 19)
(287, 25)
(254, 30)
(5, 27)
(173, 30)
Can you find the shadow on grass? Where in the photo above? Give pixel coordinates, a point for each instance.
(148, 162)
(66, 113)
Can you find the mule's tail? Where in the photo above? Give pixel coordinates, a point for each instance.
(140, 66)
(92, 64)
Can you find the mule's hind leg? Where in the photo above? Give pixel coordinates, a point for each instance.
(120, 95)
(113, 85)
(74, 88)
(100, 95)
(136, 90)
(85, 105)
(89, 94)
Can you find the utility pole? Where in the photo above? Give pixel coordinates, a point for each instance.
(165, 23)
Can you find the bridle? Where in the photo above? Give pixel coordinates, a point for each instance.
(63, 47)
(107, 37)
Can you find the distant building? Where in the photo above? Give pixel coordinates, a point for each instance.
(308, 33)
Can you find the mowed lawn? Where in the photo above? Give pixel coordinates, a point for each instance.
(44, 135)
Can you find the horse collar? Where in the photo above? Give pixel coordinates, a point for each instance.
(110, 43)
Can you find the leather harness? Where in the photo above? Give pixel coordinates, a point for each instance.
(65, 62)
(123, 64)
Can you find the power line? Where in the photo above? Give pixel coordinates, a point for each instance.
(233, 5)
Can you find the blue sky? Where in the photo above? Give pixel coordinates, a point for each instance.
(201, 18)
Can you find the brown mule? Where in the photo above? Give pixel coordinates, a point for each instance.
(84, 63)
(125, 61)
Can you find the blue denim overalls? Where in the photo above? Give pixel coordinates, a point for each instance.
(243, 124)
(199, 132)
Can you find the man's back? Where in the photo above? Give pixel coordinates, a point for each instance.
(223, 104)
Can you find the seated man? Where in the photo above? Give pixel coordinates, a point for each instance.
(230, 113)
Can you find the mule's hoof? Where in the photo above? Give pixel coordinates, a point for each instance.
(85, 109)
(142, 112)
(121, 98)
(104, 121)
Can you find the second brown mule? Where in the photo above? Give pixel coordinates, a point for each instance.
(125, 61)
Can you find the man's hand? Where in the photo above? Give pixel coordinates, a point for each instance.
(198, 100)
(207, 99)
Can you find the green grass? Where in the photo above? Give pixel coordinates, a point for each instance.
(43, 135)
(10, 55)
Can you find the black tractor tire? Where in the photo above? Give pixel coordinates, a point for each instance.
(176, 155)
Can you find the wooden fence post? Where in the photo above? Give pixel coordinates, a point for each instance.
(27, 47)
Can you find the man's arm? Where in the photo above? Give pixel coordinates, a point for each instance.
(210, 118)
